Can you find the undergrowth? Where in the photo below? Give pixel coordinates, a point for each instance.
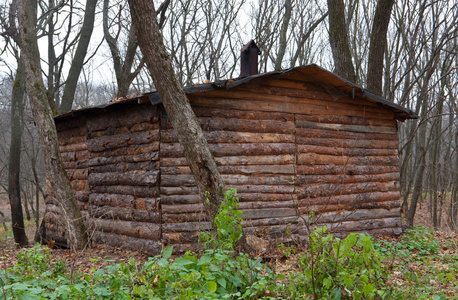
(329, 268)
(426, 267)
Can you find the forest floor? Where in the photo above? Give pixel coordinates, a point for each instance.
(424, 263)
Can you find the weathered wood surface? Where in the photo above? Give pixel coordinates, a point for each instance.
(77, 124)
(236, 160)
(364, 225)
(134, 178)
(289, 148)
(309, 179)
(225, 149)
(104, 161)
(169, 136)
(343, 152)
(299, 107)
(181, 218)
(334, 189)
(126, 167)
(137, 127)
(317, 159)
(345, 120)
(137, 191)
(357, 215)
(242, 170)
(350, 199)
(351, 206)
(346, 128)
(127, 151)
(106, 142)
(263, 95)
(335, 134)
(345, 169)
(143, 230)
(230, 180)
(252, 189)
(146, 246)
(77, 174)
(348, 143)
(73, 147)
(123, 117)
(114, 200)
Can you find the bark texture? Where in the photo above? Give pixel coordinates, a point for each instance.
(59, 186)
(14, 188)
(338, 38)
(378, 45)
(183, 119)
(78, 59)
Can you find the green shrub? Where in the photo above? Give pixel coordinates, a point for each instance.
(340, 269)
(227, 224)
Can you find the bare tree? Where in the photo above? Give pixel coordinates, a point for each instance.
(113, 27)
(60, 188)
(378, 46)
(340, 43)
(14, 191)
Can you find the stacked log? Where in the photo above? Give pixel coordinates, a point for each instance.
(291, 148)
(255, 153)
(74, 152)
(123, 204)
(345, 159)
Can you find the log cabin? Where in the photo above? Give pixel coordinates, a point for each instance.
(303, 147)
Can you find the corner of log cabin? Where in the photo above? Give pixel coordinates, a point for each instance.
(291, 147)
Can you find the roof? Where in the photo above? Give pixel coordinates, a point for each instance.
(333, 83)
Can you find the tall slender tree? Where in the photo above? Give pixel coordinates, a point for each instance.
(182, 117)
(338, 38)
(14, 188)
(59, 185)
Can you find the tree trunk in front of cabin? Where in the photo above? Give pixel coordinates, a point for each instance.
(378, 45)
(59, 184)
(338, 38)
(179, 111)
(14, 189)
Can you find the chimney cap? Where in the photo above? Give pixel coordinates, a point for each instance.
(250, 44)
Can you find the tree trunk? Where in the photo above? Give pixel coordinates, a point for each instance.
(378, 45)
(183, 119)
(283, 32)
(59, 185)
(453, 210)
(338, 38)
(14, 190)
(78, 59)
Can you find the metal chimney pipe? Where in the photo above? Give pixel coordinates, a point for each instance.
(249, 59)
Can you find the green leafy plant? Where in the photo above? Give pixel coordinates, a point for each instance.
(333, 268)
(227, 224)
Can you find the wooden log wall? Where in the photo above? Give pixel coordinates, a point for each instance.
(255, 153)
(344, 157)
(123, 204)
(74, 152)
(290, 148)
